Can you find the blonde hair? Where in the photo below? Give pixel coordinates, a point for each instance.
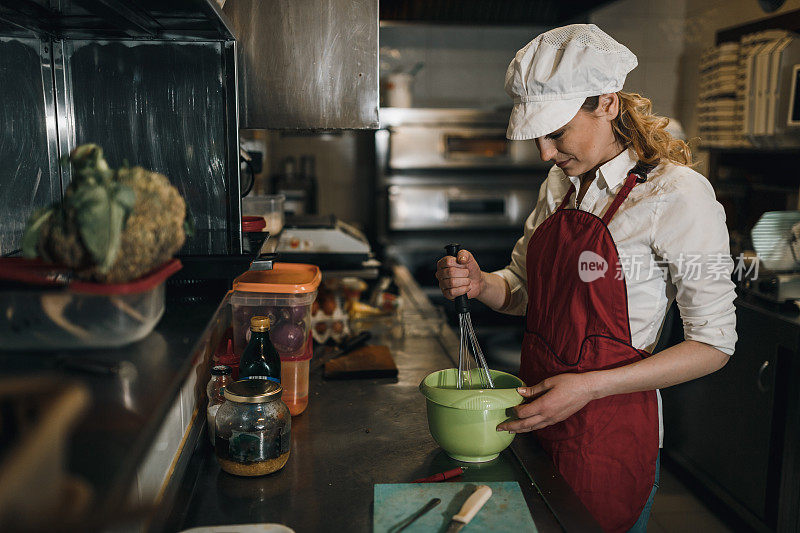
(638, 128)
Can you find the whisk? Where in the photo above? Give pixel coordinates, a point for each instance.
(466, 367)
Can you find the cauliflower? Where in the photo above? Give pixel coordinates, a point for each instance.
(113, 226)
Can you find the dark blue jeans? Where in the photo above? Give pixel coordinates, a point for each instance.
(641, 525)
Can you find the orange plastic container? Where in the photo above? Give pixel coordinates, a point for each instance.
(284, 294)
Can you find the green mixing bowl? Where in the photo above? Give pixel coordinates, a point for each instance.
(463, 422)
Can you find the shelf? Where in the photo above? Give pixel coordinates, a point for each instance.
(115, 19)
(785, 21)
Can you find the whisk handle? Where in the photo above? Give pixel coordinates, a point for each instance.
(461, 302)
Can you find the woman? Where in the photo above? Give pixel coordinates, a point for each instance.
(622, 227)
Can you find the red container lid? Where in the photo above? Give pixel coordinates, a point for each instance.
(253, 223)
(37, 272)
(284, 278)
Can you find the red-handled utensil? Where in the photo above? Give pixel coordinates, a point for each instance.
(441, 476)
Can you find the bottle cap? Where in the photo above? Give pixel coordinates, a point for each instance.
(221, 370)
(253, 391)
(259, 323)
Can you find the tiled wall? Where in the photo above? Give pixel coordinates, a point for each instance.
(465, 66)
(654, 31)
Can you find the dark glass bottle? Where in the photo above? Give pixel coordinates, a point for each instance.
(260, 359)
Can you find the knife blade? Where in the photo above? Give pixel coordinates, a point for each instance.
(470, 508)
(408, 521)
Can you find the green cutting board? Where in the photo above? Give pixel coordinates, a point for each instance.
(506, 510)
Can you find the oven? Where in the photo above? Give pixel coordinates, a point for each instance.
(450, 175)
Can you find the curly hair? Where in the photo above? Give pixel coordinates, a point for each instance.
(637, 127)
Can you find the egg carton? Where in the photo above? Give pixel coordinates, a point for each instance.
(330, 327)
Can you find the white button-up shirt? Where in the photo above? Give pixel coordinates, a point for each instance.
(673, 245)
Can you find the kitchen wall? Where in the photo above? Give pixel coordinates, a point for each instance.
(465, 66)
(344, 166)
(654, 31)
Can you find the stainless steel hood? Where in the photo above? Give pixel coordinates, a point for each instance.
(307, 64)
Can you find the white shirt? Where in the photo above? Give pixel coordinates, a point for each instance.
(672, 241)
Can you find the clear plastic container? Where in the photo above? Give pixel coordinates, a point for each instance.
(268, 206)
(43, 309)
(284, 294)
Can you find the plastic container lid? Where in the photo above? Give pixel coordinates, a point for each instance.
(36, 272)
(253, 223)
(284, 278)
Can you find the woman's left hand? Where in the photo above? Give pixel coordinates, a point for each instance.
(558, 398)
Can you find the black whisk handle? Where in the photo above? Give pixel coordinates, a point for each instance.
(461, 302)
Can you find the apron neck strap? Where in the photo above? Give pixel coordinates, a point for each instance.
(638, 174)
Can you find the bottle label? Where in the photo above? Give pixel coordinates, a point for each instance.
(270, 378)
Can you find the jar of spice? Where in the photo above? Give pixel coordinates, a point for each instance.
(220, 378)
(253, 429)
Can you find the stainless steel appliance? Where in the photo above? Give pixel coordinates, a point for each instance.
(450, 175)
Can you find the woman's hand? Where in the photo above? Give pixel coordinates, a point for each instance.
(559, 397)
(459, 276)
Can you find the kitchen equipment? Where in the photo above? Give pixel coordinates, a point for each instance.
(463, 421)
(442, 476)
(470, 508)
(451, 175)
(270, 207)
(468, 340)
(284, 293)
(327, 242)
(253, 429)
(44, 308)
(775, 237)
(346, 347)
(410, 520)
(241, 528)
(505, 512)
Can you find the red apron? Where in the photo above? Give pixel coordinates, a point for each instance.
(577, 321)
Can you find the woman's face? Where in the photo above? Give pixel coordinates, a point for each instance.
(586, 142)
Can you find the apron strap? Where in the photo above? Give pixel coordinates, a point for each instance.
(565, 201)
(638, 174)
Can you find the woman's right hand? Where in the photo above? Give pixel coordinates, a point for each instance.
(459, 276)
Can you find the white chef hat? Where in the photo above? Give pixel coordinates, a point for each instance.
(551, 77)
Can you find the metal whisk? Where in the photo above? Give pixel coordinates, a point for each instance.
(466, 366)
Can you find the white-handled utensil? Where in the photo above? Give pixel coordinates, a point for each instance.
(470, 508)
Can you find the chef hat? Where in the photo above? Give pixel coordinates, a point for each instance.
(551, 77)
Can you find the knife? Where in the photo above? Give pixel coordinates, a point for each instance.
(470, 508)
(408, 521)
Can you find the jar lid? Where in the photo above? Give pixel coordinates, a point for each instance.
(259, 323)
(284, 278)
(221, 370)
(253, 391)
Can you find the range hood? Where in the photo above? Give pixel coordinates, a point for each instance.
(489, 12)
(306, 64)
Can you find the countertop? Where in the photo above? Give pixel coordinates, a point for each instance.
(357, 433)
(125, 414)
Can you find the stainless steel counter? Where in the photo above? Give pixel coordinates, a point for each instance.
(357, 433)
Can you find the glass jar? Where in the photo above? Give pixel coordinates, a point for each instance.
(220, 377)
(253, 429)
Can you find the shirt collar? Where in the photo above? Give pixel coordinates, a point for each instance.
(613, 172)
